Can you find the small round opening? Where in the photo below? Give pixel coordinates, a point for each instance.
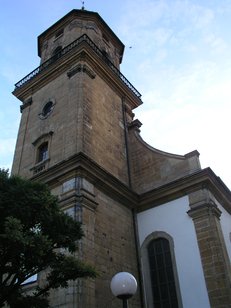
(47, 109)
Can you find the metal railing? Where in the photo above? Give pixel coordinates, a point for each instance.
(67, 49)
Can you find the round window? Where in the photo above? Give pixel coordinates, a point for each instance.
(47, 109)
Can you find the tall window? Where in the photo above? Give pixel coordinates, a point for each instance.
(43, 152)
(161, 274)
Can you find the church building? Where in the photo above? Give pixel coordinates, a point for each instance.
(157, 215)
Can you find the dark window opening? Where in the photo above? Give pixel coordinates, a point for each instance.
(105, 38)
(43, 152)
(56, 53)
(47, 109)
(106, 55)
(59, 33)
(162, 276)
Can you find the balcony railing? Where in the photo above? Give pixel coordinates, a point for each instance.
(69, 48)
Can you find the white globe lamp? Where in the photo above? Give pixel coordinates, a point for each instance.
(123, 286)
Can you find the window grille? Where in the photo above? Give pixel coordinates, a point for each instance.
(162, 276)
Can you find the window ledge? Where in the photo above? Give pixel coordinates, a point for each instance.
(41, 166)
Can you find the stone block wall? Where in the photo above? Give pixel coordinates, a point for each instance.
(214, 257)
(152, 168)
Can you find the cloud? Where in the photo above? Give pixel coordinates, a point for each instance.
(6, 152)
(9, 121)
(202, 123)
(217, 44)
(200, 16)
(7, 146)
(151, 25)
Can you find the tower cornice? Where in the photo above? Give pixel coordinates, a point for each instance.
(202, 179)
(82, 49)
(82, 166)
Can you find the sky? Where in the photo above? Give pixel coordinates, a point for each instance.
(177, 55)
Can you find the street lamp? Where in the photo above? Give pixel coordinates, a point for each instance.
(123, 286)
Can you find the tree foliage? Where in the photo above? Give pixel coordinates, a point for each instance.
(35, 235)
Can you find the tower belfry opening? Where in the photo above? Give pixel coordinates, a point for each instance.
(137, 203)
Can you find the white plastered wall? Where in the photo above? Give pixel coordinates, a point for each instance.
(173, 219)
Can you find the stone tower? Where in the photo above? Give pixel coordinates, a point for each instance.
(155, 214)
(73, 136)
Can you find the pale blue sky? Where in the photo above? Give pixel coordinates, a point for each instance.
(180, 62)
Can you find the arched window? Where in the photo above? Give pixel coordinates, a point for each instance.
(161, 273)
(42, 152)
(42, 147)
(161, 284)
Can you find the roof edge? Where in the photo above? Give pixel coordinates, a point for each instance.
(79, 13)
(205, 178)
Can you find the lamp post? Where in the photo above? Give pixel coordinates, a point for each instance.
(123, 286)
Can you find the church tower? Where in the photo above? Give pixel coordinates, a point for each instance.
(77, 100)
(72, 136)
(154, 214)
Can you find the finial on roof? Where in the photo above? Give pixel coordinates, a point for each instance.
(83, 8)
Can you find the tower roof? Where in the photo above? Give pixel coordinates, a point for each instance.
(84, 15)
